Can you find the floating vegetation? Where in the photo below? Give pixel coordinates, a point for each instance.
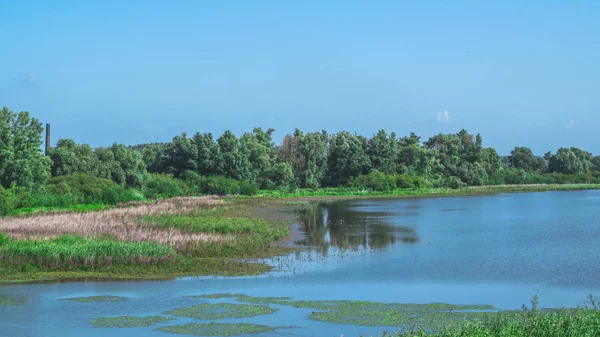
(102, 298)
(128, 321)
(12, 300)
(247, 299)
(221, 310)
(429, 315)
(217, 329)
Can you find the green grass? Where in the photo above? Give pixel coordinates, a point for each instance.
(179, 267)
(221, 310)
(101, 298)
(217, 329)
(128, 321)
(70, 252)
(421, 192)
(561, 323)
(12, 300)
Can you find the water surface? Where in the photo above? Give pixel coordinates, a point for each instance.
(498, 250)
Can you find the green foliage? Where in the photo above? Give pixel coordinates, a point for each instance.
(8, 201)
(124, 166)
(374, 181)
(92, 189)
(347, 158)
(219, 185)
(523, 158)
(163, 186)
(70, 252)
(21, 161)
(248, 188)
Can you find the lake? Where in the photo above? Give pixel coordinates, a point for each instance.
(498, 249)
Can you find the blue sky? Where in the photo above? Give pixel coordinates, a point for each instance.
(518, 72)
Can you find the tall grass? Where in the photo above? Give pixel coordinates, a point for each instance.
(73, 252)
(247, 235)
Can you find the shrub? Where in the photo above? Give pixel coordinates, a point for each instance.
(409, 181)
(453, 182)
(375, 181)
(219, 185)
(163, 186)
(248, 188)
(8, 201)
(92, 189)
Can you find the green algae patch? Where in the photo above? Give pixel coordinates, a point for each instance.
(128, 321)
(217, 329)
(102, 298)
(12, 300)
(221, 310)
(248, 299)
(431, 315)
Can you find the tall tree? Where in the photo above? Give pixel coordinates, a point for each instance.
(21, 160)
(347, 158)
(383, 150)
(235, 163)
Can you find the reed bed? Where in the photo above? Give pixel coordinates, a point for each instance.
(121, 223)
(72, 252)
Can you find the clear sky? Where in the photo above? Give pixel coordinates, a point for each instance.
(518, 72)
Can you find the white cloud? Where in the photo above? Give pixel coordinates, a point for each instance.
(444, 117)
(571, 124)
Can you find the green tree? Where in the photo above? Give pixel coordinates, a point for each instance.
(347, 158)
(70, 158)
(181, 155)
(208, 158)
(21, 160)
(235, 162)
(383, 150)
(122, 165)
(567, 161)
(523, 158)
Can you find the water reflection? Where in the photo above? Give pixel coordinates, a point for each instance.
(347, 225)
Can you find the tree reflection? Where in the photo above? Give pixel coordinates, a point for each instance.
(340, 225)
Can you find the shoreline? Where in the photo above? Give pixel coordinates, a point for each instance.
(269, 211)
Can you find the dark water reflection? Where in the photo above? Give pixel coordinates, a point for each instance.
(351, 225)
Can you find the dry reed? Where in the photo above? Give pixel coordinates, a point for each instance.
(121, 222)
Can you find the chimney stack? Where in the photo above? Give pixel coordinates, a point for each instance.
(47, 138)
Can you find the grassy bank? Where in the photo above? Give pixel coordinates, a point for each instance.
(423, 192)
(172, 238)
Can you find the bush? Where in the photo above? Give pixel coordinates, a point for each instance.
(163, 186)
(92, 189)
(374, 181)
(219, 185)
(248, 188)
(453, 182)
(8, 201)
(410, 181)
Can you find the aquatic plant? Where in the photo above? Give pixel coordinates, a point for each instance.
(100, 298)
(12, 300)
(221, 310)
(217, 329)
(128, 321)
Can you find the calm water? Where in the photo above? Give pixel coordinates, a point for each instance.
(496, 250)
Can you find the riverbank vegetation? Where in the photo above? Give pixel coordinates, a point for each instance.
(73, 175)
(187, 236)
(138, 211)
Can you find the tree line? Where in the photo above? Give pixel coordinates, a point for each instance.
(301, 160)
